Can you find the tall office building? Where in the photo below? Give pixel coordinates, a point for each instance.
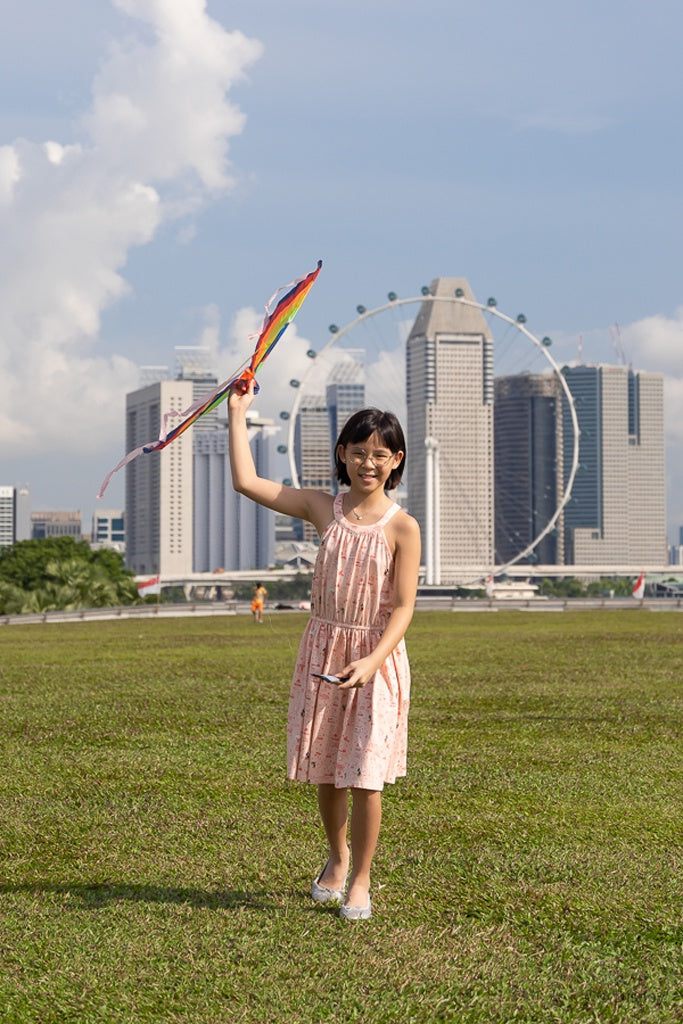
(159, 491)
(15, 519)
(449, 375)
(7, 517)
(312, 453)
(312, 446)
(528, 459)
(617, 510)
(345, 393)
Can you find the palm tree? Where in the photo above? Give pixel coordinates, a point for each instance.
(81, 584)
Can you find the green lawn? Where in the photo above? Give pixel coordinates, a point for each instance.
(157, 867)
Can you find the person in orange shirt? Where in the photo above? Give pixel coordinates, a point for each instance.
(258, 597)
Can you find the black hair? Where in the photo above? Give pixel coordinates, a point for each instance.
(362, 425)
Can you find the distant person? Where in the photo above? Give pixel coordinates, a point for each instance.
(258, 597)
(350, 732)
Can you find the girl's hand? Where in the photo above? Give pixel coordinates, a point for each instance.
(241, 395)
(358, 674)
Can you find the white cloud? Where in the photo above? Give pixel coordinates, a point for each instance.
(161, 111)
(10, 172)
(673, 404)
(657, 342)
(154, 144)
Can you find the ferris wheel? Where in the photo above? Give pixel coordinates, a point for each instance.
(370, 349)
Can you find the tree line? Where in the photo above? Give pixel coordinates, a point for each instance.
(62, 574)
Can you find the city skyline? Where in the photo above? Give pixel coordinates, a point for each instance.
(141, 205)
(614, 516)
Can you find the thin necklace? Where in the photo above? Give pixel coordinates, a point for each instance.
(356, 516)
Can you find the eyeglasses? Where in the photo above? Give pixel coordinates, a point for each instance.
(357, 456)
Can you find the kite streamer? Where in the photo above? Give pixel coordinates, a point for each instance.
(272, 329)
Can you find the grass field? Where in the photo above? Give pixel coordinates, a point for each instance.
(156, 867)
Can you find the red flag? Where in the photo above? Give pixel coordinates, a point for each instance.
(150, 586)
(639, 587)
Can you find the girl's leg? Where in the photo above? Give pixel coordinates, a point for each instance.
(334, 810)
(366, 818)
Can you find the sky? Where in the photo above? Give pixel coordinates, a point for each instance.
(165, 165)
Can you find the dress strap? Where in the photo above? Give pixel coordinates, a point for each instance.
(337, 507)
(391, 511)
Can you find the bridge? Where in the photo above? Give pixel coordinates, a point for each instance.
(226, 578)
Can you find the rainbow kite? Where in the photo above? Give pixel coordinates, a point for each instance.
(272, 329)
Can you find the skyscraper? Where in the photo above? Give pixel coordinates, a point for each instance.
(312, 452)
(345, 393)
(528, 457)
(617, 510)
(449, 375)
(7, 516)
(312, 443)
(15, 519)
(159, 488)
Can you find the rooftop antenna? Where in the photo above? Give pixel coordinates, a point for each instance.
(615, 335)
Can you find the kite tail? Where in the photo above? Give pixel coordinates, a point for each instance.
(124, 462)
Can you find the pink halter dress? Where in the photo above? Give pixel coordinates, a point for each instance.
(355, 737)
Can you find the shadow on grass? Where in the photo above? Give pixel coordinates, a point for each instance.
(102, 894)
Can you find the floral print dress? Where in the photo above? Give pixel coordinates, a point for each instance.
(355, 737)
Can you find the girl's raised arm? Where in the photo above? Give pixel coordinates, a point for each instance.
(314, 506)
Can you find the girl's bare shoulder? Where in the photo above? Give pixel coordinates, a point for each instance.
(403, 527)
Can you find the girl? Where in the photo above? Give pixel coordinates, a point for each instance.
(349, 732)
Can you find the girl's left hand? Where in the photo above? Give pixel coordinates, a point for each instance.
(357, 674)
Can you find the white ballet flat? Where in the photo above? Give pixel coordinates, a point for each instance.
(322, 894)
(356, 913)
